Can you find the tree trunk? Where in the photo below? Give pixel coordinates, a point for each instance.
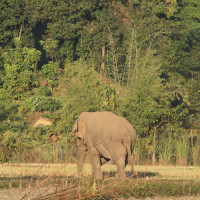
(54, 152)
(154, 147)
(20, 33)
(103, 59)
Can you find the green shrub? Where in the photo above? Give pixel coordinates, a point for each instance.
(8, 110)
(43, 91)
(194, 157)
(5, 153)
(182, 151)
(48, 72)
(43, 103)
(20, 65)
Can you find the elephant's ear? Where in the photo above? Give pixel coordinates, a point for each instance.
(79, 129)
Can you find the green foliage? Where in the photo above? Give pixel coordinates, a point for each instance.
(5, 153)
(85, 91)
(182, 149)
(20, 65)
(7, 109)
(43, 91)
(194, 151)
(11, 18)
(108, 97)
(87, 83)
(42, 103)
(12, 126)
(139, 59)
(148, 103)
(50, 47)
(48, 72)
(10, 139)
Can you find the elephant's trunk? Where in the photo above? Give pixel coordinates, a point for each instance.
(81, 152)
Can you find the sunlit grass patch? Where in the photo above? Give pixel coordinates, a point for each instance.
(20, 170)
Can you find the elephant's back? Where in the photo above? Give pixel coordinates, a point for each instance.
(130, 129)
(107, 119)
(112, 125)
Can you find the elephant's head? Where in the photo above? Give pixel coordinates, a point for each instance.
(79, 129)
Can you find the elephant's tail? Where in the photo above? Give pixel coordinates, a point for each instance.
(130, 159)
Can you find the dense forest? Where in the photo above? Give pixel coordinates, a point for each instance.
(137, 58)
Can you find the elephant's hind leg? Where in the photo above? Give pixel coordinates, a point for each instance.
(95, 162)
(120, 168)
(118, 154)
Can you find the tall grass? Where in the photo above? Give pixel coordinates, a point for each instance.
(169, 151)
(182, 151)
(166, 151)
(195, 150)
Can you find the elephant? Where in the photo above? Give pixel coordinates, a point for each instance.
(105, 136)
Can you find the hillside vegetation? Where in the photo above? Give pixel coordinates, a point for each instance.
(137, 58)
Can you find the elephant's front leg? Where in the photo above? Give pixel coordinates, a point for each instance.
(81, 151)
(95, 162)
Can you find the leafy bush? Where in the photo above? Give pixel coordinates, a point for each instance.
(48, 72)
(42, 103)
(7, 110)
(5, 153)
(20, 65)
(43, 91)
(85, 91)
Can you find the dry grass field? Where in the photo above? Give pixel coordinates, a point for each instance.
(20, 170)
(16, 181)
